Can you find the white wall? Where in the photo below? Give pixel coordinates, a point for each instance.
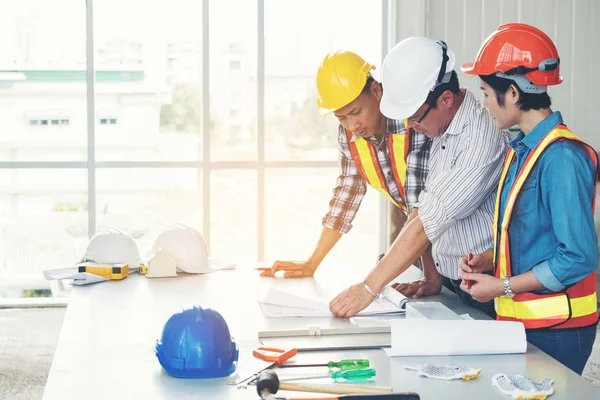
(464, 24)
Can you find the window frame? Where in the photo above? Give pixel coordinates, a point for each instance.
(205, 165)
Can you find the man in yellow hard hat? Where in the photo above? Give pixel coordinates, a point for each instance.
(373, 150)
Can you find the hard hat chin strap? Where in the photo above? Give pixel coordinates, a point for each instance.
(442, 78)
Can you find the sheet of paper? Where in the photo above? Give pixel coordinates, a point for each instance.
(79, 278)
(289, 299)
(375, 320)
(277, 311)
(85, 278)
(279, 303)
(62, 273)
(395, 297)
(421, 337)
(381, 305)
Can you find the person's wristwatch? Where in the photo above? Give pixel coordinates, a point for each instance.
(508, 292)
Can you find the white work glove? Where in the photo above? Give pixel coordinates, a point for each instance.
(446, 372)
(521, 387)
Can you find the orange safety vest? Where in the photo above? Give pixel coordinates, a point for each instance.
(365, 156)
(572, 308)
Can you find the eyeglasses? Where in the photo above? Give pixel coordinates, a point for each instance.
(418, 121)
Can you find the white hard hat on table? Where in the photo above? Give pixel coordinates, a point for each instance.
(186, 245)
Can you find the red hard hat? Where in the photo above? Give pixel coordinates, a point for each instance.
(522, 47)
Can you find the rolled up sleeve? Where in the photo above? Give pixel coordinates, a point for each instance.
(546, 277)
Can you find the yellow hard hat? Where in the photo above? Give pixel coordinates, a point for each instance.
(340, 79)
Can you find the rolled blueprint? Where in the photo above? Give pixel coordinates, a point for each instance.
(420, 337)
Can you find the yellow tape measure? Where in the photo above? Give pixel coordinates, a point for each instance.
(112, 272)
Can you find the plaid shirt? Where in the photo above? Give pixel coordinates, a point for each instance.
(351, 186)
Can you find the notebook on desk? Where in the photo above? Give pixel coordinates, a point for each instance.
(278, 303)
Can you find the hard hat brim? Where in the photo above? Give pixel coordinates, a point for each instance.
(468, 68)
(394, 110)
(476, 68)
(325, 111)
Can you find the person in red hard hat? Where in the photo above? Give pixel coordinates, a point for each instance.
(545, 246)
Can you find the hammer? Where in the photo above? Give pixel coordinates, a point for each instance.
(267, 385)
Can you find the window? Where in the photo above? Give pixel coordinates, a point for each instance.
(294, 129)
(235, 112)
(151, 108)
(142, 201)
(300, 197)
(43, 225)
(166, 114)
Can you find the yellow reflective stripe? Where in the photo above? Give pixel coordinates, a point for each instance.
(365, 158)
(398, 142)
(551, 307)
(584, 305)
(533, 309)
(367, 162)
(565, 133)
(495, 223)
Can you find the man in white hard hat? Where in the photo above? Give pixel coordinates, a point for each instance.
(455, 210)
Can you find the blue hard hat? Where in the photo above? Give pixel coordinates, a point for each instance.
(196, 343)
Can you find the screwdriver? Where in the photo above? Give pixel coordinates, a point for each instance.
(343, 365)
(350, 375)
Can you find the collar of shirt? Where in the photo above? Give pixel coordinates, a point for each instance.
(537, 133)
(392, 126)
(464, 113)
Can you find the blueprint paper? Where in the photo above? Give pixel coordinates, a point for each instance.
(422, 337)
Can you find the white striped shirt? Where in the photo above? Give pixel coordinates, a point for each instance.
(457, 205)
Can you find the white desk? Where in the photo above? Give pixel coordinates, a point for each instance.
(106, 346)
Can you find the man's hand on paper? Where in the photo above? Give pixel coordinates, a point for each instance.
(351, 301)
(293, 269)
(420, 288)
(485, 287)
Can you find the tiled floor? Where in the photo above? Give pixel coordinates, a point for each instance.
(28, 338)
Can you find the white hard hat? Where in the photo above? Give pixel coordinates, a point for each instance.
(186, 245)
(411, 70)
(112, 246)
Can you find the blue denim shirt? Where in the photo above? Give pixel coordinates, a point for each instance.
(552, 226)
